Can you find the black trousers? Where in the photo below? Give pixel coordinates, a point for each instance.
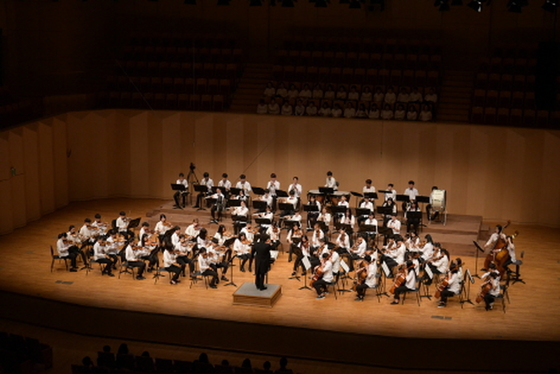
(400, 290)
(177, 197)
(320, 286)
(184, 260)
(176, 270)
(141, 265)
(445, 294)
(108, 264)
(212, 273)
(259, 279)
(361, 289)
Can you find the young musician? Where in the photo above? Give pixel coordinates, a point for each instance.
(244, 185)
(261, 253)
(312, 215)
(87, 232)
(439, 263)
(427, 249)
(389, 203)
(133, 258)
(331, 182)
(325, 217)
(267, 197)
(67, 249)
(249, 232)
(193, 229)
(408, 276)
(204, 265)
(240, 215)
(411, 192)
(365, 204)
(394, 224)
(452, 284)
(394, 252)
(99, 225)
(209, 183)
(144, 229)
(273, 233)
(100, 256)
(225, 185)
(162, 226)
(172, 265)
(122, 225)
(412, 224)
(368, 188)
(293, 238)
(219, 206)
(391, 193)
(242, 249)
(182, 194)
(321, 284)
(370, 278)
(296, 187)
(429, 206)
(184, 249)
(273, 185)
(490, 297)
(267, 214)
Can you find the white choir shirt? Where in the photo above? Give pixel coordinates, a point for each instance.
(343, 203)
(390, 98)
(361, 250)
(317, 93)
(325, 112)
(122, 225)
(336, 112)
(311, 110)
(354, 95)
(372, 221)
(191, 231)
(367, 205)
(427, 251)
(203, 263)
(272, 186)
(316, 239)
(224, 184)
(374, 114)
(184, 182)
(400, 114)
(411, 192)
(282, 92)
(175, 239)
(273, 108)
(325, 217)
(403, 97)
(131, 254)
(454, 283)
(425, 116)
(300, 110)
(371, 279)
(240, 211)
(85, 232)
(415, 97)
(296, 187)
(169, 258)
(246, 187)
(391, 194)
(327, 271)
(160, 228)
(412, 115)
(387, 114)
(286, 109)
(411, 279)
(262, 109)
(395, 226)
(330, 182)
(367, 189)
(62, 247)
(343, 243)
(240, 248)
(208, 182)
(349, 112)
(378, 97)
(98, 251)
(366, 96)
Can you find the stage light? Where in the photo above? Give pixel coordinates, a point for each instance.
(551, 5)
(355, 4)
(475, 5)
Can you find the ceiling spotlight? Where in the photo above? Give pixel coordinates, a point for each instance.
(475, 5)
(551, 5)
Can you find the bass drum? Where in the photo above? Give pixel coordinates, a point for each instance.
(438, 200)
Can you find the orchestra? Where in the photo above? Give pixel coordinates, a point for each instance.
(357, 252)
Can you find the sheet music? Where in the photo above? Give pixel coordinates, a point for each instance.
(344, 265)
(429, 272)
(306, 263)
(274, 254)
(386, 269)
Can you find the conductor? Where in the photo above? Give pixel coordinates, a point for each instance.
(261, 252)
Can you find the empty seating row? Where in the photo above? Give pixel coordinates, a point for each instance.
(170, 101)
(202, 54)
(508, 65)
(170, 85)
(515, 117)
(497, 81)
(178, 69)
(180, 40)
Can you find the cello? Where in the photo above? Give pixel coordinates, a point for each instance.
(399, 279)
(498, 245)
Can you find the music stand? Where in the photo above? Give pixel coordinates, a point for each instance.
(338, 209)
(310, 208)
(203, 189)
(466, 288)
(227, 244)
(234, 202)
(263, 221)
(234, 191)
(178, 187)
(404, 198)
(259, 205)
(371, 195)
(368, 229)
(476, 258)
(286, 207)
(135, 222)
(307, 266)
(422, 199)
(259, 191)
(357, 194)
(326, 190)
(346, 269)
(281, 193)
(362, 212)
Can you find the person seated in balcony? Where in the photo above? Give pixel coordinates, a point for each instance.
(349, 111)
(362, 111)
(300, 108)
(311, 109)
(403, 96)
(353, 94)
(293, 92)
(390, 96)
(374, 112)
(400, 113)
(341, 93)
(337, 111)
(366, 94)
(317, 92)
(425, 114)
(287, 109)
(282, 91)
(269, 90)
(378, 96)
(415, 96)
(387, 112)
(262, 108)
(329, 93)
(412, 113)
(305, 92)
(325, 110)
(273, 107)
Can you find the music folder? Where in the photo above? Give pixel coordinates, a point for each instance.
(178, 187)
(338, 209)
(357, 194)
(310, 208)
(201, 188)
(234, 202)
(286, 206)
(234, 191)
(136, 222)
(385, 210)
(263, 221)
(371, 195)
(260, 205)
(362, 212)
(259, 191)
(422, 199)
(414, 215)
(368, 228)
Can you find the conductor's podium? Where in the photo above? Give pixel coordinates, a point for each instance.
(248, 294)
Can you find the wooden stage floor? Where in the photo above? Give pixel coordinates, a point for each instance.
(531, 318)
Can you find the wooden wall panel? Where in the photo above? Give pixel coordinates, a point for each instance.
(60, 162)
(499, 173)
(6, 220)
(19, 211)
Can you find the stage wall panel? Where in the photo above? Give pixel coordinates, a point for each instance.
(497, 172)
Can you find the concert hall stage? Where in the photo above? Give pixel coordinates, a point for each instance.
(373, 333)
